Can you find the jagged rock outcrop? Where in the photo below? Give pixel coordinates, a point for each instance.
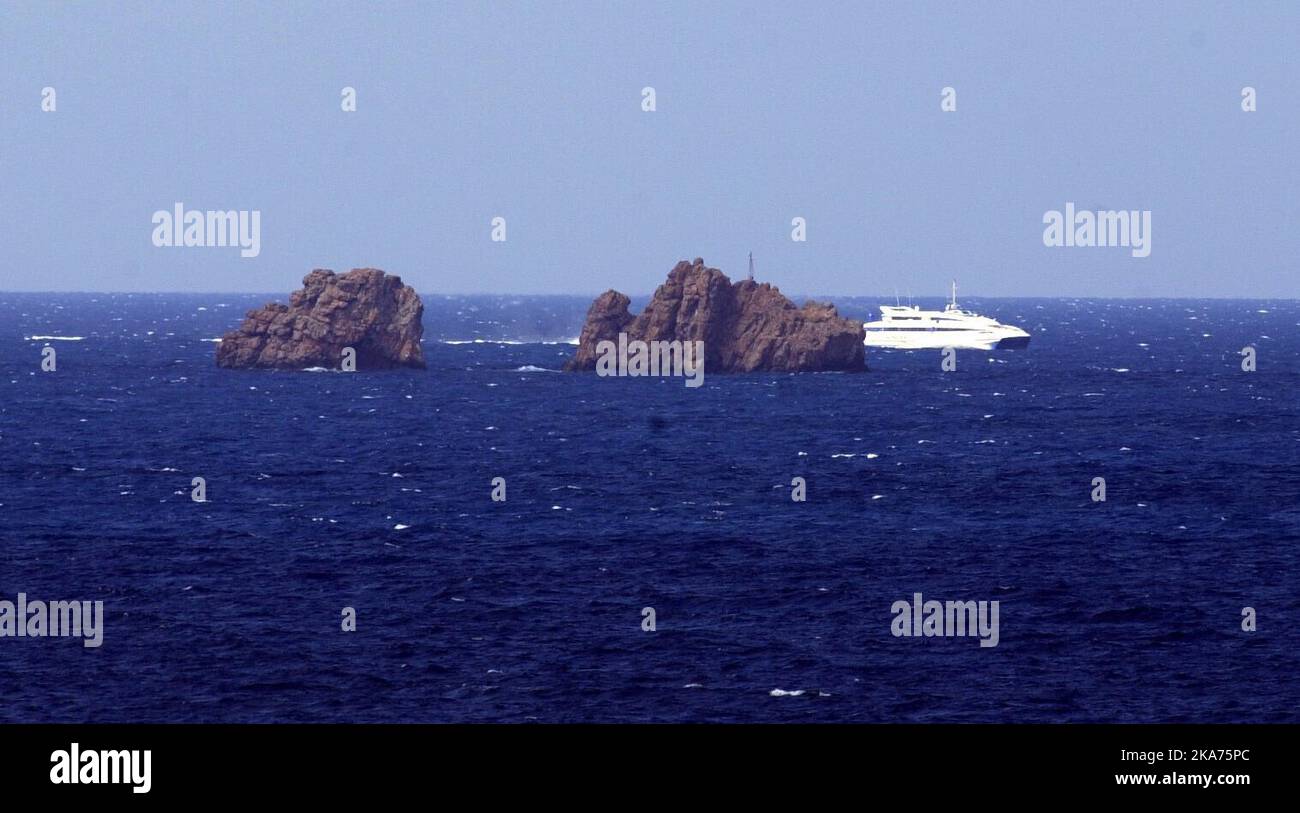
(745, 326)
(365, 309)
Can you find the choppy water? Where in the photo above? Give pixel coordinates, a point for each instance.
(372, 491)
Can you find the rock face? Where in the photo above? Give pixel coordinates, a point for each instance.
(365, 309)
(745, 326)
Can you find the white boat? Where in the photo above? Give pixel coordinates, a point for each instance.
(907, 327)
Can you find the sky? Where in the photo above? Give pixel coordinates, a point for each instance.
(764, 112)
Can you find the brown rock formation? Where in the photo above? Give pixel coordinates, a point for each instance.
(365, 309)
(745, 326)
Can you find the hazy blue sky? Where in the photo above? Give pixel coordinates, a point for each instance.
(766, 111)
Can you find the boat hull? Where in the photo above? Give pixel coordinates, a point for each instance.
(1009, 339)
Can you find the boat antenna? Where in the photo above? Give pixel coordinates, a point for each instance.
(751, 266)
(954, 293)
(896, 300)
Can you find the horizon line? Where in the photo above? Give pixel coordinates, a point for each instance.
(817, 297)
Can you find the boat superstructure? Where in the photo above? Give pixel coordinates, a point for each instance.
(907, 327)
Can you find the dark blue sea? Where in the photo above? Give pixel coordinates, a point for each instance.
(372, 491)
